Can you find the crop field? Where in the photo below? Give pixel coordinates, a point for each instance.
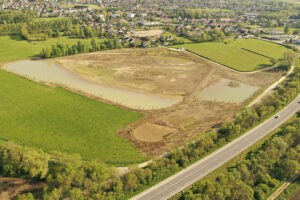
(52, 118)
(14, 48)
(241, 54)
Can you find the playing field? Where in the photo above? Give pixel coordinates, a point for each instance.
(241, 54)
(14, 48)
(56, 119)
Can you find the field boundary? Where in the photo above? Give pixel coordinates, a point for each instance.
(255, 53)
(222, 65)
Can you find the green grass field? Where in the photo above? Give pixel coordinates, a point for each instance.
(241, 54)
(56, 119)
(14, 48)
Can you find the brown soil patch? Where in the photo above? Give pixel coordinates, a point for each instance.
(10, 188)
(162, 71)
(148, 132)
(149, 33)
(295, 195)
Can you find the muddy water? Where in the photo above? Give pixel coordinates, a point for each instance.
(52, 72)
(223, 92)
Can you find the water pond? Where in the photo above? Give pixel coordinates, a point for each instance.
(52, 72)
(228, 91)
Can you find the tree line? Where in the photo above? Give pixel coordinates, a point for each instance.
(13, 17)
(32, 28)
(60, 50)
(258, 173)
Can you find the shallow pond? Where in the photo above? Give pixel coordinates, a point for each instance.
(228, 91)
(52, 72)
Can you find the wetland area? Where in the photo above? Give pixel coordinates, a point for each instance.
(180, 94)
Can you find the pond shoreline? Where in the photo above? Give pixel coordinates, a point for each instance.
(41, 71)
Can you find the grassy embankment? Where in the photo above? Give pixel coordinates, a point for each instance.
(241, 54)
(56, 119)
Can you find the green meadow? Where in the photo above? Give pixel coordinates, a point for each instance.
(52, 118)
(240, 54)
(14, 48)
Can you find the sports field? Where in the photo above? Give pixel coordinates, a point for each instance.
(56, 119)
(241, 54)
(14, 48)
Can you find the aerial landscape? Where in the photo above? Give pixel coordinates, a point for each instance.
(149, 99)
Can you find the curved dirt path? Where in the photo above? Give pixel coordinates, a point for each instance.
(283, 187)
(271, 87)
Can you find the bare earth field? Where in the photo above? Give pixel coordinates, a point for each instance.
(166, 72)
(11, 187)
(148, 33)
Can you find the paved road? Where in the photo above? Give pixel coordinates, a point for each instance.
(198, 170)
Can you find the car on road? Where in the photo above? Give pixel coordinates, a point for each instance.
(277, 116)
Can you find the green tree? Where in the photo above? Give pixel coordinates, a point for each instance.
(88, 32)
(130, 182)
(94, 44)
(273, 61)
(287, 29)
(24, 32)
(289, 58)
(28, 196)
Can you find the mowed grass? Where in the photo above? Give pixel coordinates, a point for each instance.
(14, 48)
(241, 54)
(56, 119)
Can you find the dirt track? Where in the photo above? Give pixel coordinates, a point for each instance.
(11, 187)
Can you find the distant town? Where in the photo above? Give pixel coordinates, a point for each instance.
(196, 20)
(149, 99)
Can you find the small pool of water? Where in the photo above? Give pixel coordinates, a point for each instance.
(224, 91)
(52, 72)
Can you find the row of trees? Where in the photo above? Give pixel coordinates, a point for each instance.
(205, 36)
(60, 50)
(289, 59)
(70, 177)
(83, 46)
(171, 40)
(202, 36)
(259, 172)
(14, 17)
(15, 22)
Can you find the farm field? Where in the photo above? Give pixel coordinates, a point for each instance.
(240, 54)
(165, 71)
(53, 118)
(14, 48)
